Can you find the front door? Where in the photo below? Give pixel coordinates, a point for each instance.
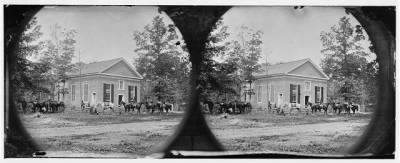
(306, 98)
(120, 98)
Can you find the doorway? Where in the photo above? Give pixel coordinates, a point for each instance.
(306, 100)
(120, 99)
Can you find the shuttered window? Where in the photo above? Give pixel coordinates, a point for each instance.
(293, 93)
(318, 94)
(108, 94)
(130, 93)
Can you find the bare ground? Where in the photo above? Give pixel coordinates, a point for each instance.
(76, 134)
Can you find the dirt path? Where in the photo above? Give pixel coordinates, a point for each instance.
(322, 128)
(135, 127)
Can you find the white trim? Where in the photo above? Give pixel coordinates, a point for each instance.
(111, 65)
(102, 74)
(289, 75)
(132, 68)
(126, 62)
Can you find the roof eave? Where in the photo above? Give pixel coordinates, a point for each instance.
(103, 74)
(286, 74)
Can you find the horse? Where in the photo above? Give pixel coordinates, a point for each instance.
(109, 106)
(217, 108)
(138, 106)
(354, 108)
(159, 107)
(210, 105)
(36, 106)
(338, 107)
(150, 107)
(60, 106)
(324, 107)
(346, 108)
(248, 107)
(314, 107)
(294, 106)
(168, 107)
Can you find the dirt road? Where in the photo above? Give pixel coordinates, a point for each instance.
(65, 137)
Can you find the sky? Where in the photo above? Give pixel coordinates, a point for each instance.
(106, 32)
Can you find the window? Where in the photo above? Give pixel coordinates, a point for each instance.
(319, 92)
(108, 94)
(259, 92)
(308, 86)
(120, 84)
(86, 92)
(293, 93)
(72, 92)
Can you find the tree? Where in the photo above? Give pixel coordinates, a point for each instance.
(28, 46)
(215, 77)
(161, 60)
(247, 51)
(345, 60)
(58, 53)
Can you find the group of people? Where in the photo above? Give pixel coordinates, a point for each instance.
(47, 106)
(234, 107)
(148, 107)
(336, 108)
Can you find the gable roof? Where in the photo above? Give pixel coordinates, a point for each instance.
(100, 67)
(286, 68)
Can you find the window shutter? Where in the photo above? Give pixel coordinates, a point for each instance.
(291, 94)
(104, 92)
(136, 94)
(315, 100)
(129, 93)
(322, 94)
(298, 93)
(112, 93)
